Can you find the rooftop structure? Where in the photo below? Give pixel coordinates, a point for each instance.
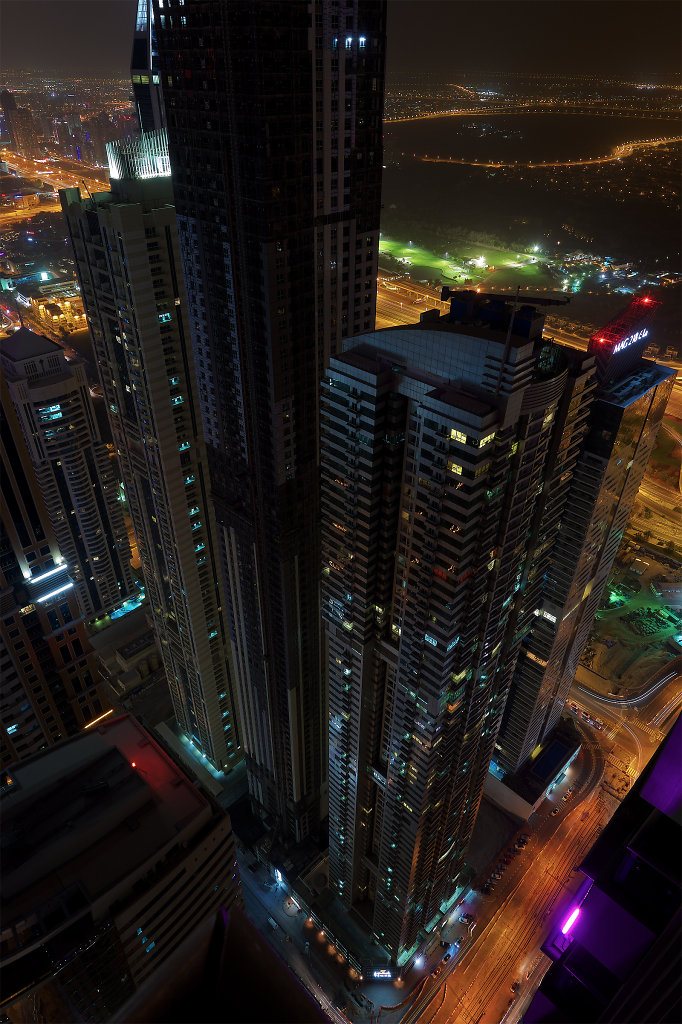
(111, 857)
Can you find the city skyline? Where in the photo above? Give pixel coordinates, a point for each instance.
(567, 36)
(368, 506)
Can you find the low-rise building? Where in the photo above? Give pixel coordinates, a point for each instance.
(112, 857)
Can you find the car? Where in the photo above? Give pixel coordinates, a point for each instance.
(516, 985)
(566, 796)
(446, 958)
(555, 811)
(570, 789)
(497, 876)
(444, 944)
(434, 974)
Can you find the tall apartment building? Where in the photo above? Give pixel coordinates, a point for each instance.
(74, 470)
(144, 71)
(112, 857)
(49, 684)
(20, 126)
(274, 122)
(447, 449)
(629, 405)
(125, 245)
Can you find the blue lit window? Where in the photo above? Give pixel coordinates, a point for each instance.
(195, 526)
(173, 381)
(362, 41)
(12, 728)
(164, 318)
(349, 42)
(335, 43)
(178, 400)
(214, 632)
(194, 509)
(200, 561)
(183, 446)
(430, 640)
(189, 479)
(200, 547)
(114, 408)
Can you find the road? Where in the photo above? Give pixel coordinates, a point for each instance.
(619, 152)
(57, 172)
(512, 923)
(11, 216)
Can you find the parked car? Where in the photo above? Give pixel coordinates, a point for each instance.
(555, 811)
(434, 974)
(515, 986)
(446, 958)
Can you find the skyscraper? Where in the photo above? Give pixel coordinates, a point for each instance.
(625, 417)
(144, 71)
(49, 685)
(447, 449)
(125, 245)
(73, 466)
(274, 122)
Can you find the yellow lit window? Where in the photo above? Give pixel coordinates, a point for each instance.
(455, 468)
(457, 435)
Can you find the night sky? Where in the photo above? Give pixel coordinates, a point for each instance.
(630, 38)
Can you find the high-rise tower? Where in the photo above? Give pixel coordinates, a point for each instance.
(629, 404)
(447, 450)
(49, 685)
(274, 121)
(73, 467)
(125, 245)
(144, 71)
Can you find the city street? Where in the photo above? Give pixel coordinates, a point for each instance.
(57, 172)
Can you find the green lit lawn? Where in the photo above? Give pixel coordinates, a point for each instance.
(511, 268)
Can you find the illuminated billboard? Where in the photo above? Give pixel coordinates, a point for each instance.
(619, 345)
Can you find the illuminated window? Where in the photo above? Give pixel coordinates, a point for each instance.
(486, 440)
(455, 468)
(457, 435)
